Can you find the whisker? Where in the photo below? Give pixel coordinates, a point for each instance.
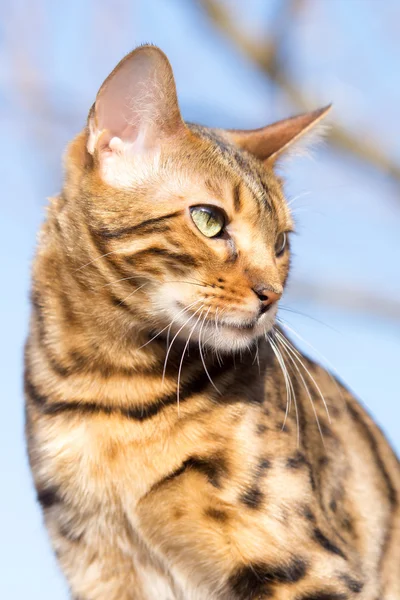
(174, 338)
(292, 349)
(301, 195)
(182, 359)
(298, 312)
(306, 389)
(118, 280)
(330, 365)
(188, 282)
(132, 293)
(96, 259)
(201, 353)
(285, 373)
(170, 324)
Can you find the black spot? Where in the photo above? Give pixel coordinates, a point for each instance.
(347, 524)
(323, 461)
(333, 505)
(353, 584)
(216, 514)
(308, 513)
(326, 543)
(283, 428)
(250, 581)
(252, 497)
(296, 461)
(48, 496)
(325, 429)
(323, 595)
(264, 464)
(261, 428)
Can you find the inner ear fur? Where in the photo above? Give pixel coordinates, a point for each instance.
(136, 106)
(270, 142)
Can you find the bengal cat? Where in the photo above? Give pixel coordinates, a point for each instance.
(180, 444)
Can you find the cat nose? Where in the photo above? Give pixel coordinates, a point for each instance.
(267, 296)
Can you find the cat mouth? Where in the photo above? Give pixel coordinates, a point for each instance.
(246, 326)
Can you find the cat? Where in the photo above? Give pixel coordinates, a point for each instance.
(181, 446)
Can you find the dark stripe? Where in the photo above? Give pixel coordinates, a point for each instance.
(138, 413)
(31, 392)
(256, 580)
(352, 584)
(176, 257)
(153, 224)
(48, 496)
(67, 531)
(252, 497)
(216, 514)
(213, 467)
(296, 461)
(323, 595)
(61, 370)
(245, 166)
(236, 197)
(326, 543)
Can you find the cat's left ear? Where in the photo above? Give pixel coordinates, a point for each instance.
(270, 142)
(135, 113)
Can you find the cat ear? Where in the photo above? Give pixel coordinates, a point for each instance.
(269, 143)
(136, 108)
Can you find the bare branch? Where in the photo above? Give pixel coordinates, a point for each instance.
(265, 56)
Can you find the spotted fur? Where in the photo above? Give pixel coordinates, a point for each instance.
(191, 478)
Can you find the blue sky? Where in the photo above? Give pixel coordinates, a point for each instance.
(348, 216)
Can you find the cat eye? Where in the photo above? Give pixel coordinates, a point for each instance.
(280, 244)
(209, 220)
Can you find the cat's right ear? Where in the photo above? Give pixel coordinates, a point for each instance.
(135, 112)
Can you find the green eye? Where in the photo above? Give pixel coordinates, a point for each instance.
(280, 244)
(209, 220)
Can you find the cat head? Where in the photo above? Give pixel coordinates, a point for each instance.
(193, 221)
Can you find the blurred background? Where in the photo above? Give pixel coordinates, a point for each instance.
(237, 64)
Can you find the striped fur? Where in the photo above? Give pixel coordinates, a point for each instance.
(185, 479)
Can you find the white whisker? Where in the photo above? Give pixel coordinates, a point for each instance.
(170, 324)
(297, 354)
(330, 365)
(96, 259)
(132, 293)
(182, 359)
(201, 353)
(289, 387)
(289, 355)
(174, 338)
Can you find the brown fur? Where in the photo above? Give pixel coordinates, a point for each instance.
(209, 498)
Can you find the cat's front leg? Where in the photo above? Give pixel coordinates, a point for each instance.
(221, 543)
(94, 568)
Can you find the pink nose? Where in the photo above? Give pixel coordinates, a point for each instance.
(267, 297)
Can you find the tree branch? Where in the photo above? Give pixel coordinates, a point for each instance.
(265, 57)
